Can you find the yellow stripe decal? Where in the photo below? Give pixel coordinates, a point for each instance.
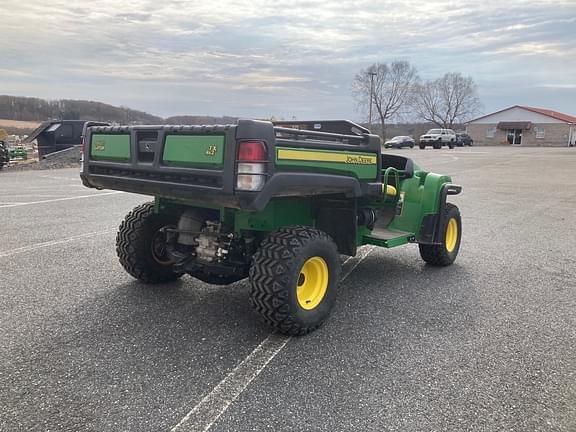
(313, 156)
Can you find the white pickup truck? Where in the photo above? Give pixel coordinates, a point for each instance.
(438, 138)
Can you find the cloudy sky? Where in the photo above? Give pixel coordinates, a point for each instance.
(283, 58)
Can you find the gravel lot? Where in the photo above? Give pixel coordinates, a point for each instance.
(487, 344)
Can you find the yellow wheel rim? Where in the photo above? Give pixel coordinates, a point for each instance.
(451, 235)
(312, 283)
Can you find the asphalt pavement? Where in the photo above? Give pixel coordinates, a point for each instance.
(487, 344)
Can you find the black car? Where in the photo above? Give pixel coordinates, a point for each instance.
(463, 139)
(399, 142)
(4, 155)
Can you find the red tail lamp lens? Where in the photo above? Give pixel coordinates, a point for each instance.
(252, 151)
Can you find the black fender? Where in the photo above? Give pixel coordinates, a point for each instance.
(432, 223)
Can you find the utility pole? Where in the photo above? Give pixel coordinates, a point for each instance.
(372, 74)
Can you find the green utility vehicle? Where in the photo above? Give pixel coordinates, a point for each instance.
(276, 203)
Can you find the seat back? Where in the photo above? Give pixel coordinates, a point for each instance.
(404, 165)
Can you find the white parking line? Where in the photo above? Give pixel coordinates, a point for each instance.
(75, 179)
(215, 403)
(203, 416)
(28, 195)
(51, 243)
(60, 199)
(355, 261)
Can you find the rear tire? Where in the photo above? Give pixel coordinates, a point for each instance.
(451, 233)
(140, 245)
(422, 147)
(294, 278)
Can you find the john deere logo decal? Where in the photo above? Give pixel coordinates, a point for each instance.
(99, 146)
(211, 150)
(359, 160)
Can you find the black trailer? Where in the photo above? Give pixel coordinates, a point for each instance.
(56, 135)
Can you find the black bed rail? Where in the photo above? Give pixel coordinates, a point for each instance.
(329, 136)
(344, 127)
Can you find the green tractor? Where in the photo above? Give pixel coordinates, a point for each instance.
(4, 154)
(276, 203)
(18, 153)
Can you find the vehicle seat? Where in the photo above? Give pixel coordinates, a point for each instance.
(404, 165)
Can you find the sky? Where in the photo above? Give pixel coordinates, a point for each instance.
(282, 58)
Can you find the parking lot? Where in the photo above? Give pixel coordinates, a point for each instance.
(487, 344)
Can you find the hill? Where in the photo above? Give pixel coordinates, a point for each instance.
(19, 115)
(35, 109)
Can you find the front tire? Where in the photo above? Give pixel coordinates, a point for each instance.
(444, 254)
(141, 245)
(294, 278)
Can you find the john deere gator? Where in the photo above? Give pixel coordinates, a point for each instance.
(276, 203)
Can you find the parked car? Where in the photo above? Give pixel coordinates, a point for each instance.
(399, 142)
(463, 139)
(4, 155)
(438, 138)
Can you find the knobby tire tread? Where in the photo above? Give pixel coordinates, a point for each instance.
(132, 249)
(270, 272)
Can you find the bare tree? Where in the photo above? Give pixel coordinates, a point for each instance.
(447, 100)
(390, 87)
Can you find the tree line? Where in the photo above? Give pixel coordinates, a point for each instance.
(35, 109)
(394, 90)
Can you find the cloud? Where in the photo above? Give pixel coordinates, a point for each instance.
(534, 49)
(558, 86)
(284, 58)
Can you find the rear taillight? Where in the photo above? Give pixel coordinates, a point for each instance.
(252, 163)
(252, 151)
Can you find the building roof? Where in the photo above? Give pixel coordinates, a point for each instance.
(554, 114)
(549, 113)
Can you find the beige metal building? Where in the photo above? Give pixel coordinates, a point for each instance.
(525, 126)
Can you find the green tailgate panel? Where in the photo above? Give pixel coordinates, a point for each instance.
(110, 147)
(194, 150)
(363, 166)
